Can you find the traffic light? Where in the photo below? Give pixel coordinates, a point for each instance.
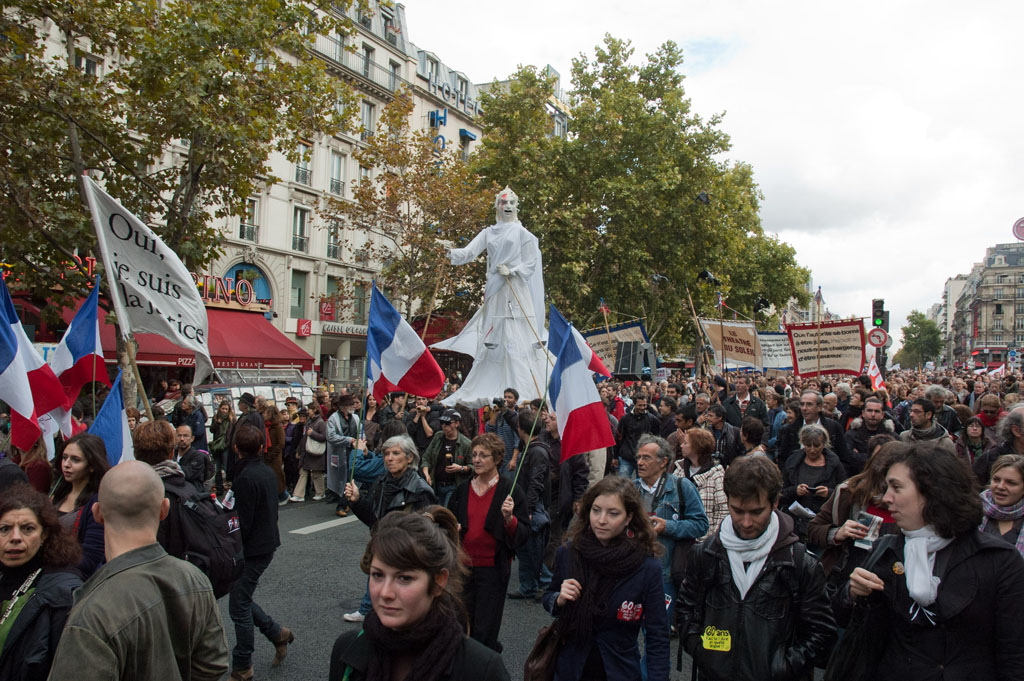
(878, 312)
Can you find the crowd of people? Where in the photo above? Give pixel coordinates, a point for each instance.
(773, 525)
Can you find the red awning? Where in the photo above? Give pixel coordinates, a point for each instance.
(237, 339)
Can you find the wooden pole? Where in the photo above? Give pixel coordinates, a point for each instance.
(608, 334)
(129, 344)
(362, 418)
(819, 338)
(433, 301)
(721, 331)
(700, 329)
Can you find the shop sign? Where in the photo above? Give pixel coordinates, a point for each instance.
(336, 329)
(327, 310)
(226, 292)
(304, 328)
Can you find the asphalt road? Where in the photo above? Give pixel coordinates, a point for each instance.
(315, 579)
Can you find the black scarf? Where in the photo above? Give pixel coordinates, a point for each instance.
(11, 579)
(598, 568)
(432, 642)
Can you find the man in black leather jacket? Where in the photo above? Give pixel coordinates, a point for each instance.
(753, 605)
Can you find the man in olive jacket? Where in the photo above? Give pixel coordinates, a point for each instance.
(448, 458)
(144, 614)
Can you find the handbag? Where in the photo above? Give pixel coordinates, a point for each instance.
(540, 663)
(315, 447)
(681, 548)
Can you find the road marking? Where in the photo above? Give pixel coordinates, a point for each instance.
(325, 525)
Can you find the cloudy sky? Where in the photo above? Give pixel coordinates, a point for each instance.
(885, 136)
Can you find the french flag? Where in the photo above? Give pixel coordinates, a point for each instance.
(111, 426)
(15, 390)
(78, 359)
(559, 328)
(45, 392)
(582, 420)
(398, 359)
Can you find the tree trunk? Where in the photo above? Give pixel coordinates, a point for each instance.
(129, 387)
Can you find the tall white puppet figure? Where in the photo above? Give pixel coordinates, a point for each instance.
(506, 335)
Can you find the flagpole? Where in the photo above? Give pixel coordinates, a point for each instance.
(608, 333)
(700, 329)
(530, 324)
(819, 334)
(362, 416)
(529, 437)
(721, 332)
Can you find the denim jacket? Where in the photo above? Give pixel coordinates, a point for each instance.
(683, 520)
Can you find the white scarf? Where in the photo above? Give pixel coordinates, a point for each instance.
(919, 556)
(753, 551)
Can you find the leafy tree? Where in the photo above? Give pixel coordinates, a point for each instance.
(922, 340)
(178, 122)
(636, 201)
(418, 202)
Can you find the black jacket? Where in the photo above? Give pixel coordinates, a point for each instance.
(255, 488)
(983, 464)
(857, 441)
(729, 446)
(197, 467)
(777, 632)
(505, 544)
(756, 407)
(572, 485)
(414, 494)
(631, 427)
(535, 476)
(473, 660)
(28, 651)
(789, 440)
(978, 630)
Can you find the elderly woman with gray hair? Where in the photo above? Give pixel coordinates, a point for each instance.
(810, 475)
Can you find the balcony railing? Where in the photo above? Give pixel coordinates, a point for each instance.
(334, 251)
(300, 243)
(333, 49)
(303, 175)
(248, 232)
(337, 187)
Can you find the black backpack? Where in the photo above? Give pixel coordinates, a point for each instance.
(206, 534)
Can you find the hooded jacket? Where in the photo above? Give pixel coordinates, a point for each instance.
(777, 632)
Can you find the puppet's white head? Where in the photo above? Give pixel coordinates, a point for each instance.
(506, 205)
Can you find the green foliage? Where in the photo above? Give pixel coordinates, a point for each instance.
(191, 99)
(417, 203)
(619, 205)
(922, 341)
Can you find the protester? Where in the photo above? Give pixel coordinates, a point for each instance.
(493, 523)
(727, 436)
(1003, 501)
(422, 422)
(273, 453)
(699, 467)
(534, 575)
(447, 460)
(197, 465)
(342, 437)
(37, 578)
(753, 603)
(415, 629)
(632, 425)
(255, 488)
(973, 441)
(192, 416)
(37, 469)
(810, 474)
(871, 422)
(751, 437)
(371, 421)
(223, 419)
(312, 452)
(947, 596)
(1010, 440)
(400, 488)
(742, 404)
(607, 586)
(247, 415)
(83, 463)
(923, 427)
(294, 420)
(502, 419)
(113, 630)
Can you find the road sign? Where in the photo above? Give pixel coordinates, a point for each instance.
(877, 337)
(1013, 355)
(1018, 229)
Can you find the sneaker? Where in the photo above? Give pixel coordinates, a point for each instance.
(319, 497)
(354, 616)
(296, 500)
(283, 502)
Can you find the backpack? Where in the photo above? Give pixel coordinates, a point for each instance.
(208, 535)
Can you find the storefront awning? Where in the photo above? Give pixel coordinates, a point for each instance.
(237, 339)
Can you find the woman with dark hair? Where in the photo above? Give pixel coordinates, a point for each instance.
(607, 586)
(371, 420)
(416, 629)
(83, 462)
(1003, 501)
(223, 419)
(37, 578)
(494, 522)
(313, 453)
(37, 468)
(838, 532)
(945, 597)
(974, 440)
(699, 467)
(273, 455)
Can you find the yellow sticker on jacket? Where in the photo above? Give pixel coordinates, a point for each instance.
(717, 639)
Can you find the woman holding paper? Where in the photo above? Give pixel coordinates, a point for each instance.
(810, 476)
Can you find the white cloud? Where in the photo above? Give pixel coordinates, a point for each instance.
(885, 136)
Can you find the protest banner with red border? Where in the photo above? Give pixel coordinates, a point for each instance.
(837, 347)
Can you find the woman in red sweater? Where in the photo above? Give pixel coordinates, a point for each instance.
(36, 467)
(494, 523)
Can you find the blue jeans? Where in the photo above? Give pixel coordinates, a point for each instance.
(627, 469)
(366, 605)
(245, 612)
(534, 575)
(444, 493)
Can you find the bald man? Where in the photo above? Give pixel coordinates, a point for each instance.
(144, 615)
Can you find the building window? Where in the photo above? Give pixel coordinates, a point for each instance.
(303, 173)
(393, 76)
(997, 293)
(1018, 308)
(334, 241)
(997, 324)
(1019, 338)
(298, 301)
(364, 174)
(359, 302)
(249, 229)
(368, 119)
(1020, 292)
(1003, 279)
(999, 308)
(87, 65)
(997, 338)
(367, 60)
(433, 70)
(300, 230)
(464, 146)
(462, 87)
(337, 173)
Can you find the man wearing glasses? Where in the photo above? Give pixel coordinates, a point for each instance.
(923, 426)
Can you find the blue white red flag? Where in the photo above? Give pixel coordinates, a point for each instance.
(582, 419)
(111, 425)
(398, 359)
(78, 359)
(558, 328)
(45, 392)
